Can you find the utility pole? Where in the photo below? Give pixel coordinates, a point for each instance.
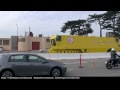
(17, 36)
(17, 30)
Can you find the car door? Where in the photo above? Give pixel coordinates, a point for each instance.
(39, 66)
(19, 64)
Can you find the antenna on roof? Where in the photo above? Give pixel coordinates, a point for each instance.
(29, 28)
(25, 33)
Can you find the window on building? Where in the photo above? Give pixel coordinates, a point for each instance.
(5, 42)
(47, 40)
(21, 39)
(0, 42)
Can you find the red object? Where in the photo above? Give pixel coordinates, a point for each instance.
(80, 62)
(35, 45)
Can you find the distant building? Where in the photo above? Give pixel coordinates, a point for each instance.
(25, 43)
(5, 43)
(33, 43)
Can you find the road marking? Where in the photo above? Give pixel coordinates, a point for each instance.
(75, 63)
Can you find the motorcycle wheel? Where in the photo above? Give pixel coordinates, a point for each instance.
(108, 65)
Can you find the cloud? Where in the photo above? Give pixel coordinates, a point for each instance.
(44, 22)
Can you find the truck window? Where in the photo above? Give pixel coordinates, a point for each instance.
(53, 43)
(58, 38)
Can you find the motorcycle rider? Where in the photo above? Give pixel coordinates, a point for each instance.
(114, 56)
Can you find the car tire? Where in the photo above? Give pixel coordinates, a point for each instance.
(56, 72)
(7, 73)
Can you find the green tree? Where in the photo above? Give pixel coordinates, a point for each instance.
(97, 18)
(77, 27)
(111, 22)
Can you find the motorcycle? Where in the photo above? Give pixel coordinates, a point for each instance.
(110, 63)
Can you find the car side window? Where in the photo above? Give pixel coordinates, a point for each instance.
(17, 58)
(33, 58)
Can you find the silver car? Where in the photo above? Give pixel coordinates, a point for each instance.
(29, 65)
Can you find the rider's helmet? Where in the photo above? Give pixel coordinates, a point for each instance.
(113, 49)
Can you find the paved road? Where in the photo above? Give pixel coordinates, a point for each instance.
(90, 70)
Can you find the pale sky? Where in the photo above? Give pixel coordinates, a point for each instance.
(41, 22)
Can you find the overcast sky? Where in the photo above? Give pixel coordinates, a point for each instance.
(41, 22)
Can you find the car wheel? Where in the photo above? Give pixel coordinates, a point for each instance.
(7, 73)
(56, 72)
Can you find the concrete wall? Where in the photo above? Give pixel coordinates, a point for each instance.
(35, 39)
(6, 47)
(23, 46)
(73, 56)
(68, 56)
(27, 45)
(45, 44)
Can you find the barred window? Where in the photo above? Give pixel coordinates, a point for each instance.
(47, 40)
(5, 42)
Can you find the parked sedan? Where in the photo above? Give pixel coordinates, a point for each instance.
(29, 65)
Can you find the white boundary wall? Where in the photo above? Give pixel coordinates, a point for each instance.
(75, 55)
(60, 56)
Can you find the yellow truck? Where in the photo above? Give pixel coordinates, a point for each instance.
(82, 44)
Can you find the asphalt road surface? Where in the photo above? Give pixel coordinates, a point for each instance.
(91, 68)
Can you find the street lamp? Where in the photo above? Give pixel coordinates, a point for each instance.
(17, 30)
(17, 37)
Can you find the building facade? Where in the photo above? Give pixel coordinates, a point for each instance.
(25, 43)
(5, 43)
(33, 43)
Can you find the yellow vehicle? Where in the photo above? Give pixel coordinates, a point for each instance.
(82, 44)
